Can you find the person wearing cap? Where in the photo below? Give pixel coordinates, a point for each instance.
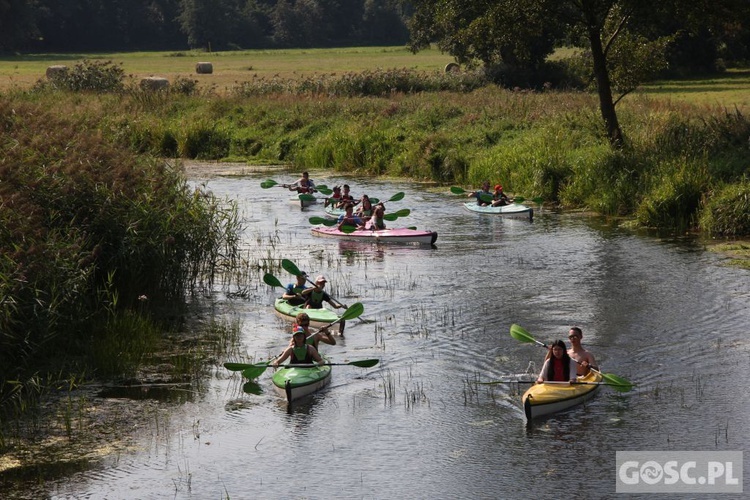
(584, 359)
(314, 339)
(483, 192)
(499, 198)
(299, 351)
(335, 197)
(293, 291)
(317, 295)
(349, 219)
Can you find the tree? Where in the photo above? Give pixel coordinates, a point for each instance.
(17, 24)
(522, 32)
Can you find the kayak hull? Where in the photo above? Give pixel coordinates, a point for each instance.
(544, 399)
(295, 383)
(303, 203)
(334, 213)
(318, 317)
(400, 235)
(512, 210)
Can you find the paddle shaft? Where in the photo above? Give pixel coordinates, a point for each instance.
(292, 268)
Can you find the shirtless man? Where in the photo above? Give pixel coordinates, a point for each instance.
(576, 352)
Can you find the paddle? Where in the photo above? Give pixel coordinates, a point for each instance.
(487, 198)
(322, 220)
(618, 383)
(271, 280)
(292, 268)
(269, 183)
(495, 382)
(306, 197)
(255, 371)
(404, 212)
(396, 197)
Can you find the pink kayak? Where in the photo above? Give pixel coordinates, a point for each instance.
(400, 235)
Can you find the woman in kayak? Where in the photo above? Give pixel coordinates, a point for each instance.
(377, 222)
(313, 339)
(365, 207)
(299, 351)
(558, 366)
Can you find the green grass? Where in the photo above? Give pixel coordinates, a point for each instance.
(727, 90)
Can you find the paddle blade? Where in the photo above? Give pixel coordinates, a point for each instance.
(374, 201)
(520, 334)
(237, 367)
(268, 183)
(353, 311)
(324, 190)
(413, 228)
(457, 190)
(290, 266)
(271, 280)
(364, 363)
(390, 217)
(254, 371)
(347, 229)
(397, 197)
(537, 200)
(487, 198)
(252, 388)
(518, 199)
(404, 212)
(616, 382)
(306, 197)
(315, 220)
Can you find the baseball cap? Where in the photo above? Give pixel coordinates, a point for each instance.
(321, 278)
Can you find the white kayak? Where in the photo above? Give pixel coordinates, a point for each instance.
(512, 210)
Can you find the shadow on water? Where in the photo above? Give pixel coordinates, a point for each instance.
(172, 393)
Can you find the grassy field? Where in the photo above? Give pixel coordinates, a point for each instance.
(728, 90)
(232, 66)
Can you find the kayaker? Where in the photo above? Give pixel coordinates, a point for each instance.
(485, 191)
(314, 339)
(335, 197)
(299, 351)
(584, 358)
(377, 222)
(349, 219)
(303, 185)
(558, 366)
(365, 207)
(499, 199)
(346, 197)
(293, 291)
(315, 296)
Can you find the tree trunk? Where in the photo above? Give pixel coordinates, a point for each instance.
(604, 87)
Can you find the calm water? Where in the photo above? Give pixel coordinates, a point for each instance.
(662, 313)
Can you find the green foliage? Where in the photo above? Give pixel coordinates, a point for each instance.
(93, 76)
(727, 212)
(673, 194)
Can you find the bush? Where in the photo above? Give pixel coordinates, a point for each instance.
(727, 212)
(674, 196)
(94, 76)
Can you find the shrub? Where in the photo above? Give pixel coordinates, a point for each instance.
(673, 194)
(727, 211)
(95, 76)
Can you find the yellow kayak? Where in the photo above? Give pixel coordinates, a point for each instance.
(551, 397)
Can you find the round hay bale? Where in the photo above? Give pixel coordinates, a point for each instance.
(204, 68)
(154, 83)
(452, 68)
(56, 71)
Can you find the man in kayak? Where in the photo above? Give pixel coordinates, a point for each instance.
(314, 339)
(558, 366)
(346, 197)
(293, 291)
(584, 359)
(303, 185)
(335, 197)
(482, 193)
(300, 352)
(349, 219)
(499, 199)
(316, 296)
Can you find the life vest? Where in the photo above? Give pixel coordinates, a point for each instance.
(301, 356)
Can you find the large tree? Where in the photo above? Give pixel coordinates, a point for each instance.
(524, 31)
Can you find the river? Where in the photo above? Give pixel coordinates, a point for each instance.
(664, 313)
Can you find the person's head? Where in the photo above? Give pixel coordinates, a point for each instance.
(558, 349)
(349, 208)
(298, 335)
(301, 278)
(302, 320)
(346, 188)
(336, 189)
(575, 335)
(321, 281)
(486, 185)
(498, 188)
(305, 175)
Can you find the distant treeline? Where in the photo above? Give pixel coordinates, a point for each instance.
(127, 25)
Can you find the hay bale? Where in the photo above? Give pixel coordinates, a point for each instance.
(452, 68)
(56, 71)
(154, 83)
(204, 68)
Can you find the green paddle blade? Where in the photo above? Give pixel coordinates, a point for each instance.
(364, 363)
(322, 220)
(518, 199)
(348, 229)
(353, 311)
(252, 388)
(538, 199)
(254, 371)
(404, 212)
(290, 266)
(374, 201)
(390, 217)
(457, 190)
(324, 190)
(271, 280)
(322, 186)
(519, 333)
(269, 183)
(237, 367)
(306, 197)
(487, 198)
(616, 382)
(413, 228)
(397, 197)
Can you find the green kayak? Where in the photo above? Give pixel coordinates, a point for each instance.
(295, 382)
(318, 317)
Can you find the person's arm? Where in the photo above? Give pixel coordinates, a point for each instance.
(288, 294)
(592, 362)
(276, 362)
(326, 336)
(543, 374)
(573, 370)
(314, 353)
